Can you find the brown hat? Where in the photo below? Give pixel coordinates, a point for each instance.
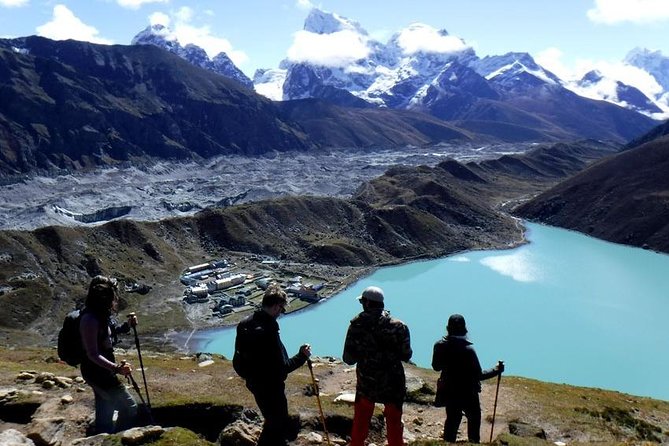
(373, 294)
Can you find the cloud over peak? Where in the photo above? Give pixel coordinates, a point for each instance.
(338, 49)
(419, 37)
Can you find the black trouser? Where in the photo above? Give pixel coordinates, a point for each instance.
(455, 406)
(271, 400)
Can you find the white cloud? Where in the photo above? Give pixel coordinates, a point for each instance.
(136, 4)
(636, 11)
(551, 59)
(337, 49)
(13, 3)
(159, 18)
(304, 4)
(65, 25)
(184, 14)
(183, 30)
(419, 37)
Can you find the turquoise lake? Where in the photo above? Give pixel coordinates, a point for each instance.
(565, 308)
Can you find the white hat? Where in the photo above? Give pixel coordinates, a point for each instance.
(372, 293)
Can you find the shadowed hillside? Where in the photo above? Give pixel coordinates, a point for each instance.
(72, 105)
(623, 199)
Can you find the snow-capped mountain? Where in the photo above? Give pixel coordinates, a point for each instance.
(401, 74)
(597, 86)
(391, 75)
(162, 37)
(653, 62)
(513, 71)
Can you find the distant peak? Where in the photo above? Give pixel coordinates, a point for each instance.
(592, 76)
(323, 22)
(153, 32)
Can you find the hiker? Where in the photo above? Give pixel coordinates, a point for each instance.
(99, 333)
(460, 381)
(261, 360)
(378, 344)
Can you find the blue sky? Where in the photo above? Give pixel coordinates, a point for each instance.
(566, 36)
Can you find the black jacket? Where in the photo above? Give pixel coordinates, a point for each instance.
(461, 372)
(260, 356)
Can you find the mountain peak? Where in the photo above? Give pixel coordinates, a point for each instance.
(652, 61)
(153, 33)
(162, 37)
(591, 77)
(323, 22)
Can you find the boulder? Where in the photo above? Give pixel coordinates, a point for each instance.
(239, 433)
(14, 438)
(522, 429)
(141, 435)
(47, 431)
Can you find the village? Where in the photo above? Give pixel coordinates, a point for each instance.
(231, 290)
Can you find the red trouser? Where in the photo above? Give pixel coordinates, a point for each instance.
(363, 411)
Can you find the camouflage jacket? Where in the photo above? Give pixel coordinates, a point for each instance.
(378, 344)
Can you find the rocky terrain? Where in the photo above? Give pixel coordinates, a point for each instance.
(164, 189)
(46, 401)
(406, 214)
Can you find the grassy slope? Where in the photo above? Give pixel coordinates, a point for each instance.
(203, 399)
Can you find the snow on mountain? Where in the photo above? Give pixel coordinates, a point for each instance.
(269, 83)
(417, 66)
(657, 65)
(321, 22)
(508, 69)
(595, 85)
(654, 62)
(162, 37)
(392, 74)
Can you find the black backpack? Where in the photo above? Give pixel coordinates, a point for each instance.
(70, 348)
(241, 361)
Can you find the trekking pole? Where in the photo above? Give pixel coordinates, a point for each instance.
(494, 409)
(318, 398)
(141, 363)
(132, 381)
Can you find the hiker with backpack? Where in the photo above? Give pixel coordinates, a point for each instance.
(460, 381)
(99, 333)
(378, 344)
(261, 359)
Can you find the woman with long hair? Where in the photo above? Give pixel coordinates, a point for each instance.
(99, 331)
